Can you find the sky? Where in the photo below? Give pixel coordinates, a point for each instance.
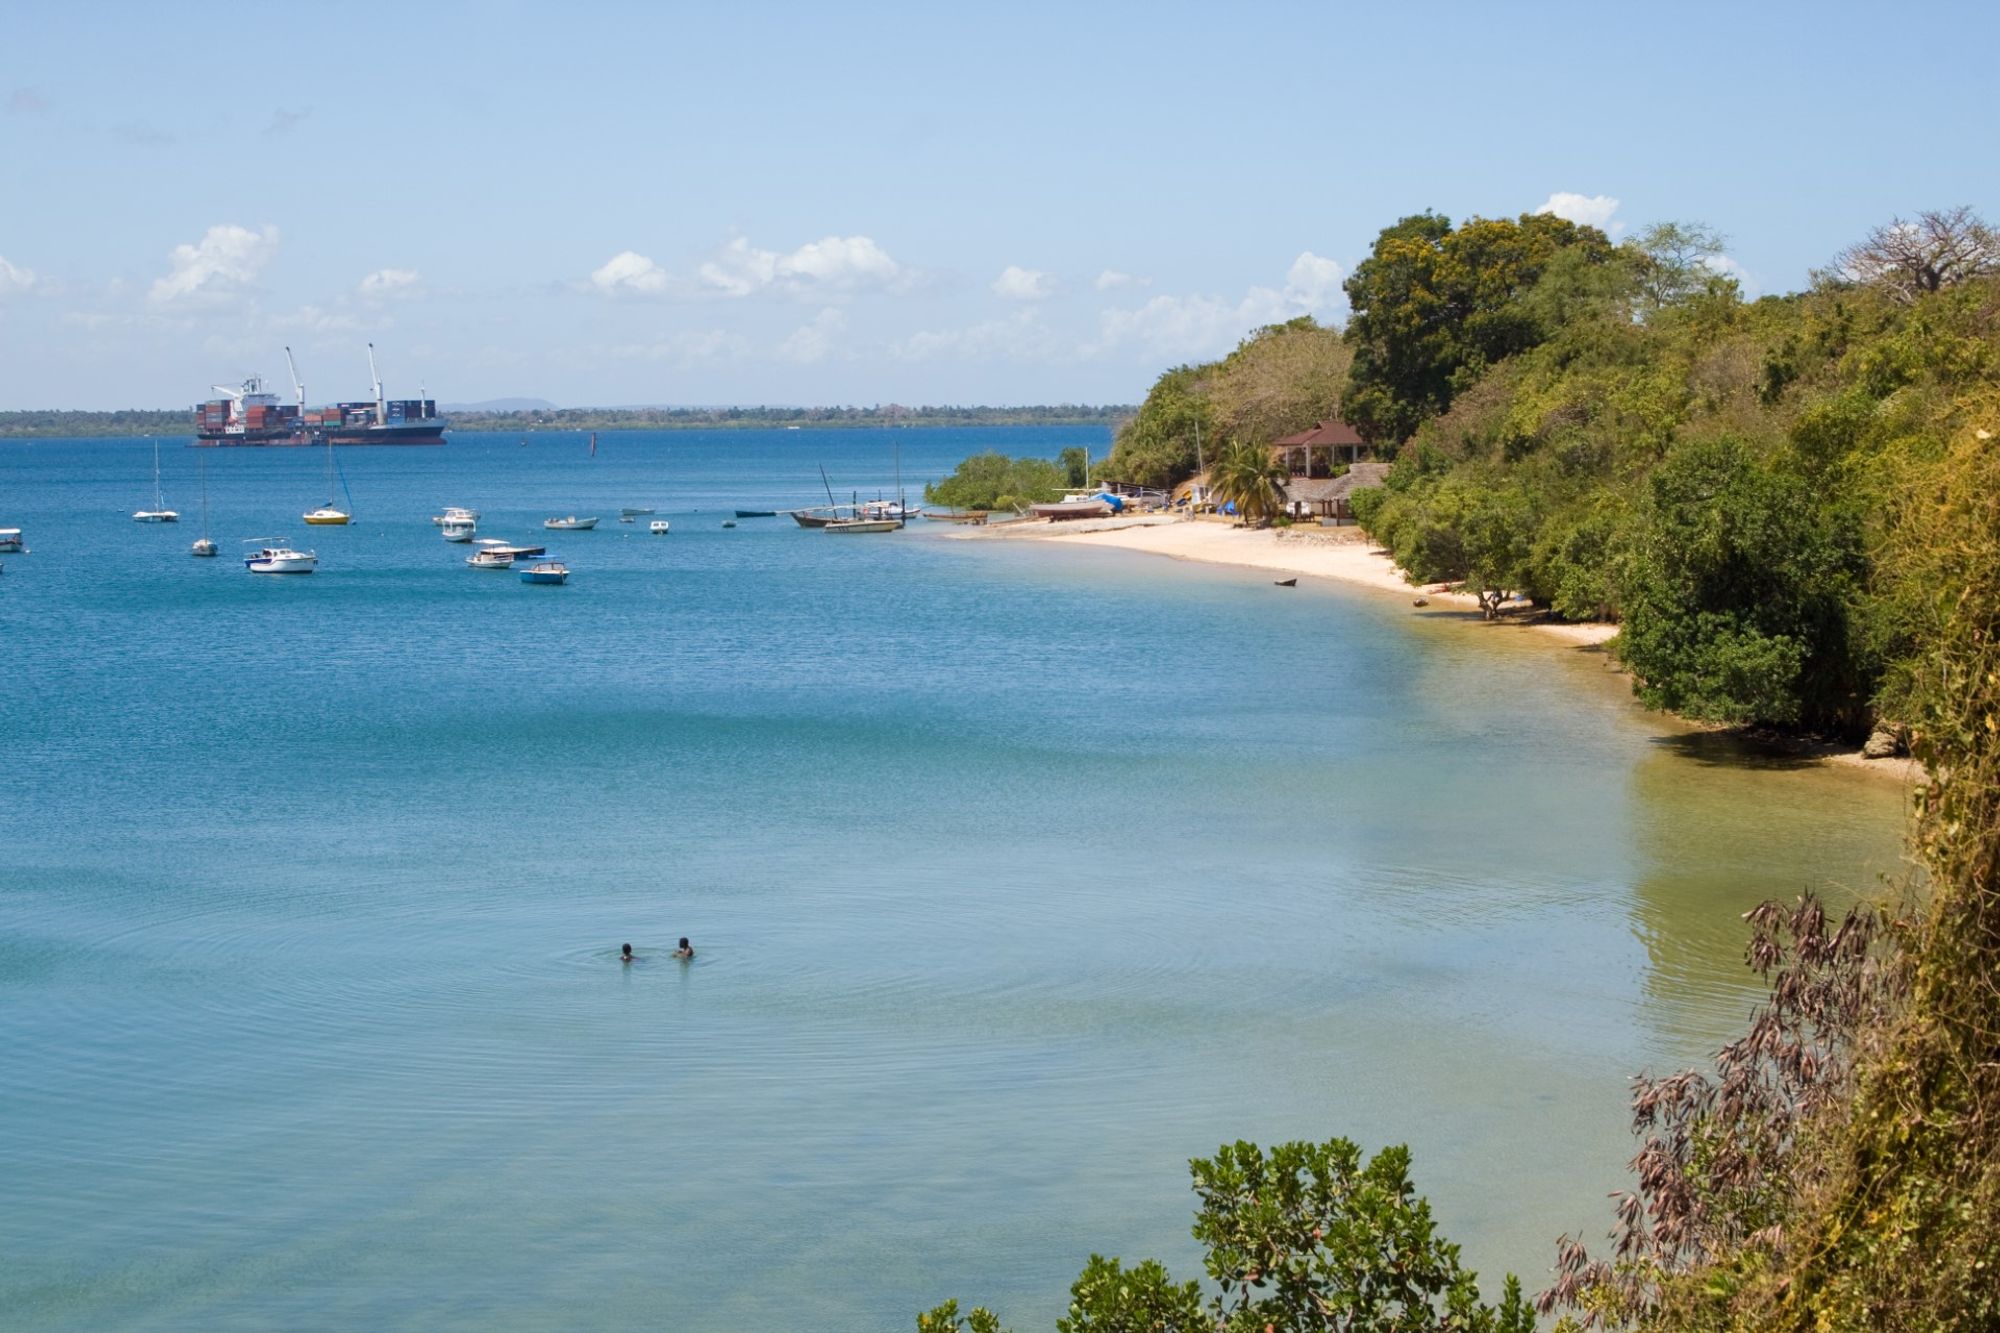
(604, 204)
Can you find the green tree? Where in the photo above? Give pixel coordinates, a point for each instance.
(1282, 378)
(1739, 596)
(994, 481)
(1246, 475)
(1161, 443)
(1435, 306)
(1674, 260)
(1303, 1239)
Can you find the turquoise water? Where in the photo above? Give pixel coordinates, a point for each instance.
(1019, 875)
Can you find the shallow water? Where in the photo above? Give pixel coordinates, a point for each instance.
(1019, 875)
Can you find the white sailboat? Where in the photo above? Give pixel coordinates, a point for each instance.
(204, 545)
(159, 513)
(327, 515)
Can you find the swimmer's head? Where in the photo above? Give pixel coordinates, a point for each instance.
(625, 950)
(684, 941)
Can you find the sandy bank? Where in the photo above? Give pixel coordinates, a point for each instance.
(1341, 554)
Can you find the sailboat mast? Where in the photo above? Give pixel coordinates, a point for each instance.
(159, 500)
(204, 497)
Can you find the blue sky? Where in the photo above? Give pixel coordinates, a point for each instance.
(926, 203)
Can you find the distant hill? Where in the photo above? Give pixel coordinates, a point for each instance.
(500, 405)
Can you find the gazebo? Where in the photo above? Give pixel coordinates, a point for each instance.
(1337, 441)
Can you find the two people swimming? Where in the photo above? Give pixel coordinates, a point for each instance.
(625, 954)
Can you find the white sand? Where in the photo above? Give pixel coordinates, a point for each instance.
(1321, 553)
(1342, 554)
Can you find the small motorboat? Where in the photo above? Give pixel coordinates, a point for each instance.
(546, 571)
(627, 515)
(453, 511)
(457, 527)
(659, 527)
(756, 513)
(10, 541)
(280, 560)
(729, 523)
(569, 524)
(491, 558)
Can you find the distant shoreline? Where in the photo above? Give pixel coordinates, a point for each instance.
(137, 423)
(1346, 555)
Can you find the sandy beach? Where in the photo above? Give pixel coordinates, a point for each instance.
(1346, 556)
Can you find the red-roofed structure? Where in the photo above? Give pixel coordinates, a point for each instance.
(1333, 439)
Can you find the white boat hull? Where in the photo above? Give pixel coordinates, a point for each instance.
(156, 516)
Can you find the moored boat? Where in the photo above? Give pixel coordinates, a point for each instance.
(491, 558)
(570, 524)
(453, 511)
(659, 527)
(159, 513)
(756, 513)
(326, 516)
(516, 552)
(280, 559)
(815, 518)
(546, 571)
(865, 525)
(10, 541)
(457, 528)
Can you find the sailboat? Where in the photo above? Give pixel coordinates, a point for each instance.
(327, 515)
(204, 545)
(159, 513)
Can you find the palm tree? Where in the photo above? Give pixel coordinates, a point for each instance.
(1247, 476)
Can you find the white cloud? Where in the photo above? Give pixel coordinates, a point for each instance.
(687, 349)
(385, 282)
(1726, 267)
(832, 265)
(1184, 327)
(1313, 283)
(1586, 210)
(1023, 284)
(811, 342)
(1111, 280)
(14, 278)
(226, 259)
(629, 271)
(1020, 337)
(312, 319)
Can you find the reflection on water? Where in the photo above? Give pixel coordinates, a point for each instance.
(1019, 877)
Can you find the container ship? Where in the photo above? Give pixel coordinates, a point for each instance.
(249, 417)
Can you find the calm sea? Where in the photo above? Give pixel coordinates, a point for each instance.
(1018, 875)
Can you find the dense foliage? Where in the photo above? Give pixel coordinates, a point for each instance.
(1304, 1237)
(994, 481)
(1282, 378)
(1718, 475)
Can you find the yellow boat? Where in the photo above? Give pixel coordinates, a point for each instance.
(326, 517)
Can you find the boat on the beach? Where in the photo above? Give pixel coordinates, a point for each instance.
(491, 558)
(159, 513)
(547, 571)
(659, 527)
(1095, 507)
(457, 528)
(280, 559)
(815, 518)
(865, 525)
(569, 524)
(973, 516)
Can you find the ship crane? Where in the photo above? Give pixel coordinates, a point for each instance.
(236, 396)
(294, 368)
(381, 408)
